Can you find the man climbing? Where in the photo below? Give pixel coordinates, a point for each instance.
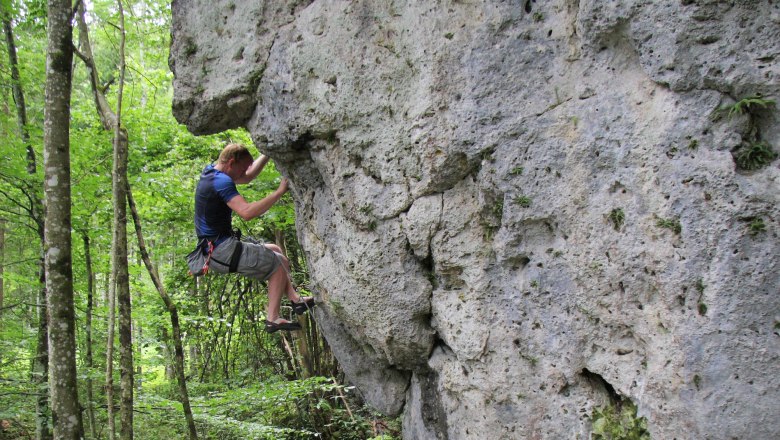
(221, 250)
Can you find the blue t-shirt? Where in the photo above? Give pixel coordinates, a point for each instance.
(212, 214)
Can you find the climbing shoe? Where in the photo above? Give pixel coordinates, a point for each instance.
(272, 327)
(306, 303)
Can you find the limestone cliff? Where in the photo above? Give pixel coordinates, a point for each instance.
(515, 211)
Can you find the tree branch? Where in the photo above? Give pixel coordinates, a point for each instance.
(16, 202)
(75, 10)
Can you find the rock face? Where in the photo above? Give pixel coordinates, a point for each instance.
(517, 211)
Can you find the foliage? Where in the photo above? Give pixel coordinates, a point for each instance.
(748, 104)
(669, 223)
(276, 409)
(754, 156)
(619, 422)
(523, 201)
(244, 382)
(516, 171)
(756, 226)
(617, 217)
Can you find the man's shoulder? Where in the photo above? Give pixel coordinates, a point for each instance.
(224, 185)
(211, 172)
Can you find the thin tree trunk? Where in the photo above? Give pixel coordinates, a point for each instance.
(16, 85)
(40, 366)
(301, 341)
(196, 358)
(89, 360)
(66, 414)
(40, 373)
(2, 262)
(123, 278)
(169, 354)
(112, 121)
(110, 326)
(179, 350)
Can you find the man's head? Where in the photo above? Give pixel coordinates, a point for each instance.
(234, 160)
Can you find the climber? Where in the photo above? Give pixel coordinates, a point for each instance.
(220, 247)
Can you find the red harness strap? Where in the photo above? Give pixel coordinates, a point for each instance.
(208, 257)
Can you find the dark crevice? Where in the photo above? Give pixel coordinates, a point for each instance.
(432, 414)
(598, 383)
(438, 342)
(302, 143)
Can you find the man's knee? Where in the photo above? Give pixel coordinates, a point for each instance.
(274, 248)
(277, 276)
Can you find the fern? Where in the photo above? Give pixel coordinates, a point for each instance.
(748, 105)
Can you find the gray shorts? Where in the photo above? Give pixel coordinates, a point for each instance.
(257, 261)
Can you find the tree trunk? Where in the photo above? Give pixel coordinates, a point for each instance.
(301, 340)
(89, 360)
(120, 224)
(16, 85)
(179, 350)
(40, 370)
(112, 121)
(40, 367)
(110, 326)
(2, 263)
(66, 414)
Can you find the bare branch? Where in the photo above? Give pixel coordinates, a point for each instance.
(11, 306)
(154, 86)
(16, 202)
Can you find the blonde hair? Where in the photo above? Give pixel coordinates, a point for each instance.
(237, 152)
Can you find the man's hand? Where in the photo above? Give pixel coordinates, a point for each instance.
(283, 186)
(248, 211)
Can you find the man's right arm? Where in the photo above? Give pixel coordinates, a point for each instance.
(253, 170)
(248, 211)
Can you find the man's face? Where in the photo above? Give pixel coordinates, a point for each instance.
(238, 168)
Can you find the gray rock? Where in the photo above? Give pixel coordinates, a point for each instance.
(517, 212)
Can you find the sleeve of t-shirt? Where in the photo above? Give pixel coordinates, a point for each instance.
(225, 187)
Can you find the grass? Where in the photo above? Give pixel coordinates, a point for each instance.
(618, 217)
(756, 226)
(523, 201)
(701, 306)
(670, 223)
(275, 409)
(190, 48)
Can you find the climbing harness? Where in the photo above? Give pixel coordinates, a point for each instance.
(206, 246)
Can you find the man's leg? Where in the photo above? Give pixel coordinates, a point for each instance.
(276, 287)
(256, 262)
(292, 295)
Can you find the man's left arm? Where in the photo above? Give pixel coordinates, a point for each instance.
(253, 170)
